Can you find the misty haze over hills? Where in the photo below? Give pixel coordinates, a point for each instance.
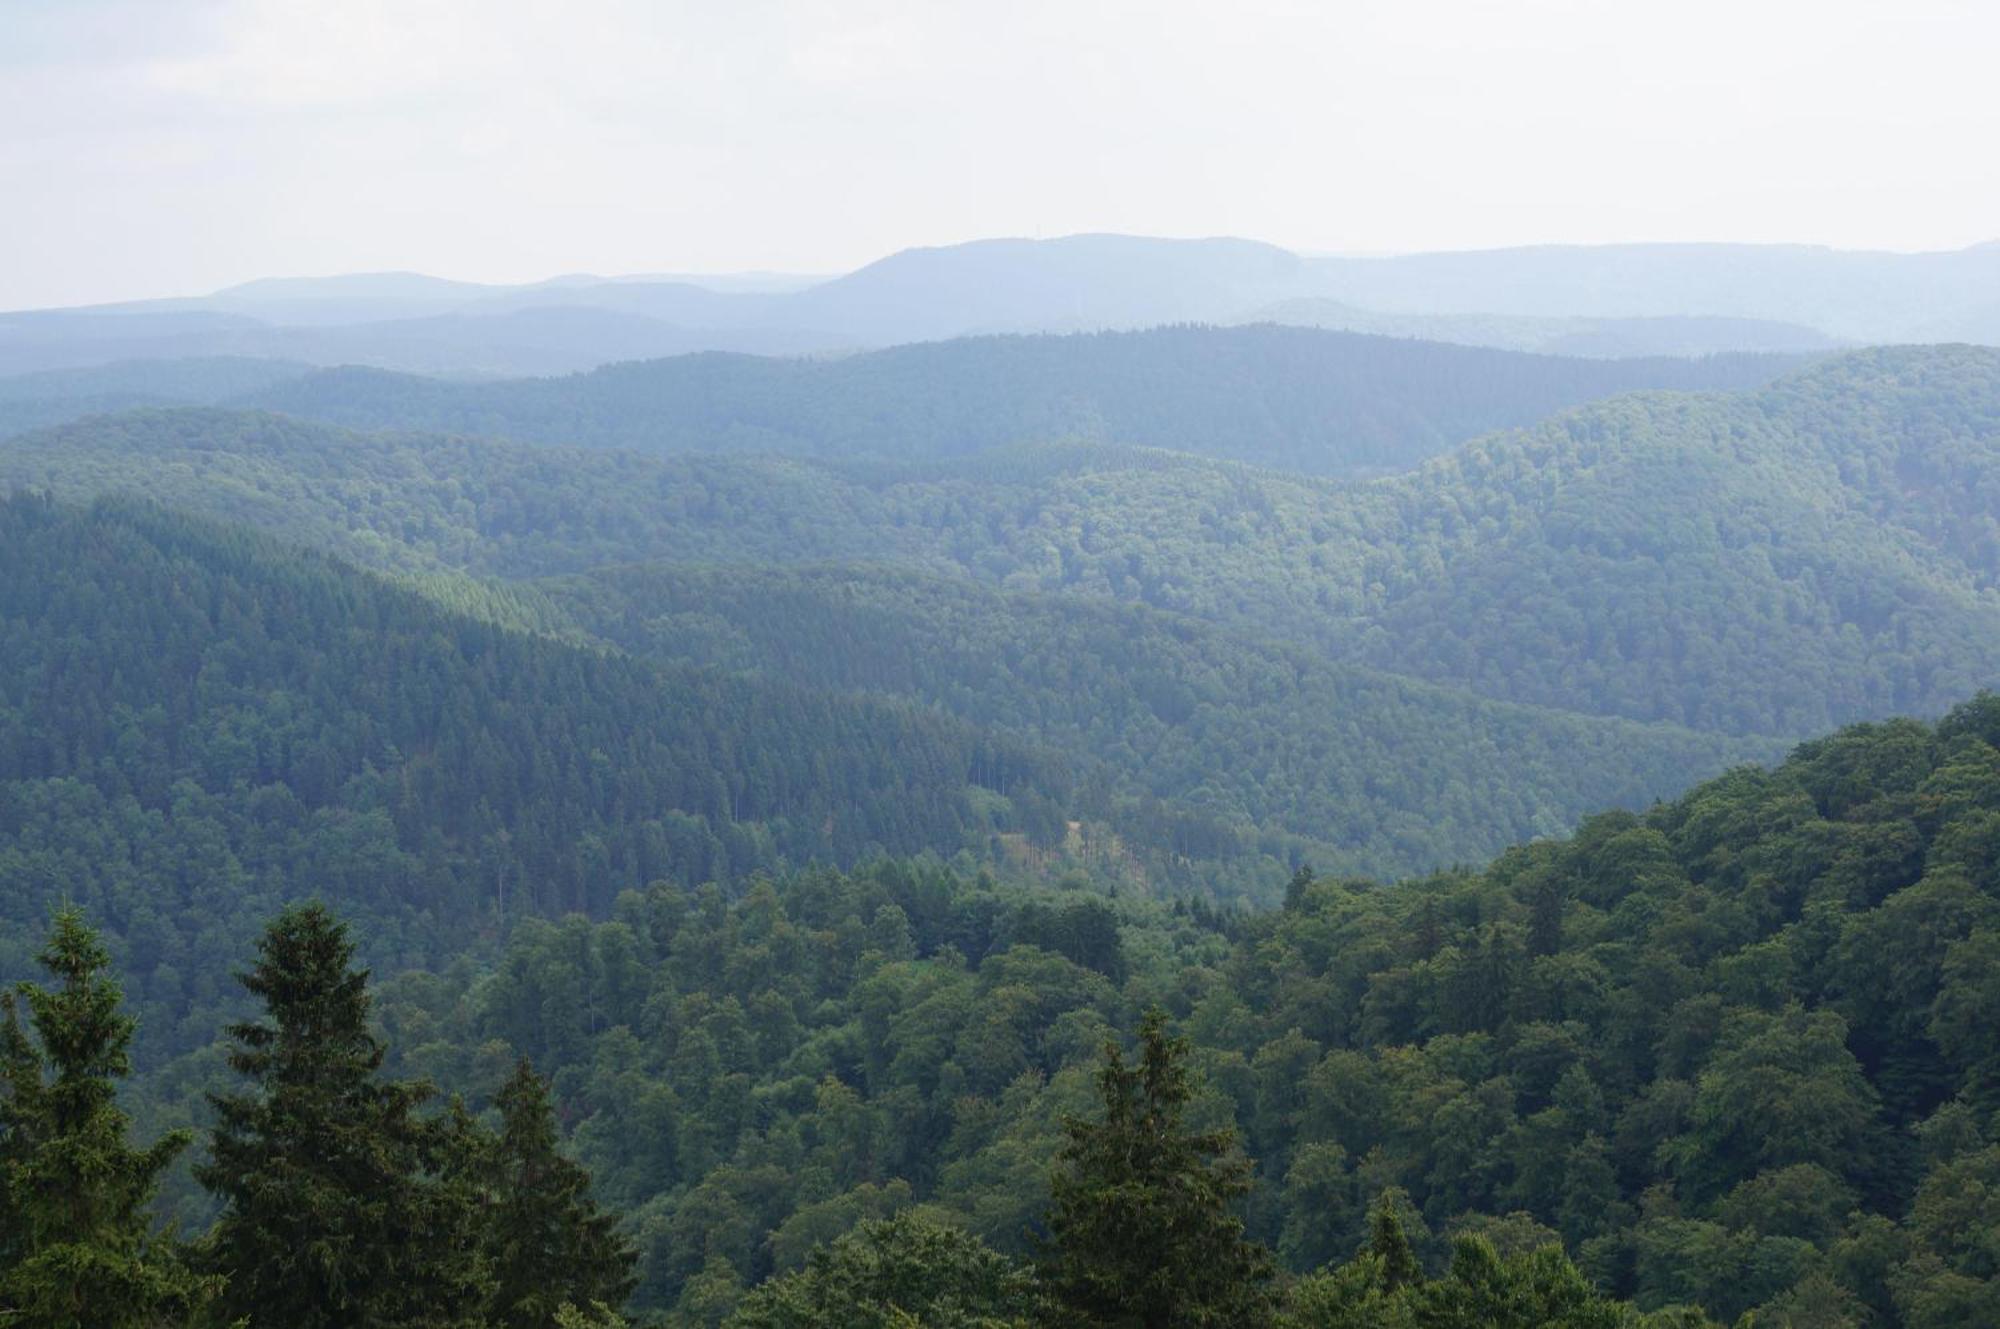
(640, 708)
(1018, 630)
(1604, 301)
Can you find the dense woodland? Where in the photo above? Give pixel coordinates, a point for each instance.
(1737, 1053)
(32, 401)
(196, 726)
(1295, 399)
(910, 878)
(1772, 563)
(1382, 774)
(1426, 776)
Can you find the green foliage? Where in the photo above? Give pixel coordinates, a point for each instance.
(1736, 1050)
(1705, 1088)
(1208, 738)
(197, 727)
(1323, 403)
(1141, 1223)
(341, 1205)
(906, 1270)
(1207, 742)
(547, 1243)
(1536, 1289)
(78, 1250)
(1770, 563)
(1710, 1088)
(37, 400)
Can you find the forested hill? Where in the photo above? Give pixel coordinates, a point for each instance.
(1321, 403)
(1381, 774)
(32, 401)
(1738, 1052)
(1404, 775)
(196, 725)
(1767, 563)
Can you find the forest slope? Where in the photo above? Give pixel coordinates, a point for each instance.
(1765, 563)
(1737, 1052)
(1381, 773)
(196, 724)
(1322, 403)
(1406, 776)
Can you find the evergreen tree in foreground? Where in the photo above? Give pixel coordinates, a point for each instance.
(342, 1206)
(1141, 1221)
(548, 1243)
(76, 1246)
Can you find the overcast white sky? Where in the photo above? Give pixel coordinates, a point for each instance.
(153, 147)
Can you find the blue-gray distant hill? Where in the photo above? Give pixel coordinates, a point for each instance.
(1601, 338)
(1610, 300)
(31, 401)
(1298, 399)
(1853, 295)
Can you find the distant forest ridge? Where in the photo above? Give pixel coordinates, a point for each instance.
(1613, 301)
(1298, 399)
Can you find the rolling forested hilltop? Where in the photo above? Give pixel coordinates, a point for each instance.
(1296, 399)
(648, 681)
(1734, 1055)
(1735, 1052)
(1765, 563)
(813, 821)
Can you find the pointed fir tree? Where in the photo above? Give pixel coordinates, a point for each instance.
(77, 1247)
(340, 1203)
(1142, 1228)
(548, 1243)
(1390, 1244)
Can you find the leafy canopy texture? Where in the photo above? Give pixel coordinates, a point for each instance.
(892, 1272)
(77, 1249)
(1141, 1219)
(339, 1203)
(1537, 1289)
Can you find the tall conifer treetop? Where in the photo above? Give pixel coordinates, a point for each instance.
(77, 1249)
(1141, 1220)
(337, 1206)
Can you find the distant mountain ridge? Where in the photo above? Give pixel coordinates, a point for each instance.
(1297, 399)
(1596, 338)
(1072, 283)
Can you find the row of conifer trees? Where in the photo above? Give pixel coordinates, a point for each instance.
(350, 1200)
(346, 1199)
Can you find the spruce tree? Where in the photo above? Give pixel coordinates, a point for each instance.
(549, 1244)
(77, 1248)
(1142, 1231)
(340, 1206)
(1390, 1244)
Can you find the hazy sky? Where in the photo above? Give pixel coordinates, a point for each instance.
(154, 147)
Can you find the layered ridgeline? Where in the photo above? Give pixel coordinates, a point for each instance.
(1593, 300)
(1203, 743)
(32, 401)
(1380, 771)
(1213, 761)
(1600, 337)
(197, 725)
(1739, 1051)
(1297, 399)
(1766, 563)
